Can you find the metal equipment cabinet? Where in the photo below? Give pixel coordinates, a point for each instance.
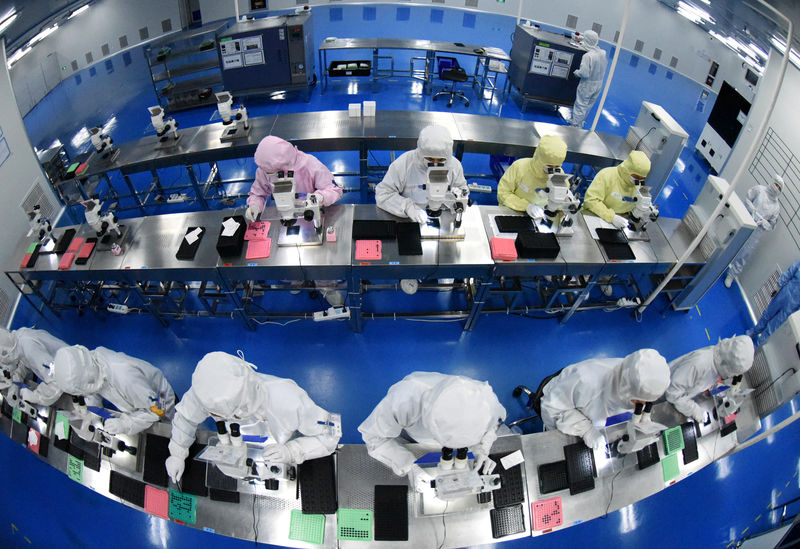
(263, 55)
(541, 65)
(184, 67)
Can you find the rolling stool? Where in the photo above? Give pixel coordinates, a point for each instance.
(450, 70)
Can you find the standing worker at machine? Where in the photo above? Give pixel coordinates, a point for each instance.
(784, 302)
(523, 186)
(762, 203)
(698, 371)
(402, 192)
(229, 390)
(137, 389)
(451, 413)
(26, 350)
(591, 72)
(579, 399)
(275, 155)
(613, 189)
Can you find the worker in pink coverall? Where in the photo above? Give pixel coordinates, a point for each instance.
(310, 176)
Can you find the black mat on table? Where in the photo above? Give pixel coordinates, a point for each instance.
(225, 496)
(317, 479)
(533, 245)
(231, 246)
(511, 490)
(581, 469)
(391, 513)
(129, 489)
(615, 243)
(728, 429)
(194, 476)
(553, 477)
(64, 241)
(513, 223)
(156, 452)
(409, 239)
(6, 409)
(19, 433)
(691, 431)
(507, 521)
(374, 229)
(647, 456)
(44, 446)
(88, 452)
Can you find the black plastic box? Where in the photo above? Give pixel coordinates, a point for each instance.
(231, 246)
(533, 245)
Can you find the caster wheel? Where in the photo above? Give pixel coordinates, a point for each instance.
(435, 98)
(466, 104)
(449, 105)
(517, 392)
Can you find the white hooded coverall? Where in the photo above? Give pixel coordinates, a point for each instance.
(132, 385)
(400, 192)
(579, 400)
(433, 409)
(227, 388)
(26, 350)
(591, 73)
(699, 370)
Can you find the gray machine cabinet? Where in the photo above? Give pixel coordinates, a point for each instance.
(542, 63)
(774, 373)
(267, 54)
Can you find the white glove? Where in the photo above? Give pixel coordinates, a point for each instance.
(27, 395)
(251, 214)
(593, 439)
(418, 215)
(277, 453)
(5, 383)
(699, 415)
(114, 426)
(419, 479)
(485, 462)
(764, 225)
(534, 211)
(175, 467)
(619, 222)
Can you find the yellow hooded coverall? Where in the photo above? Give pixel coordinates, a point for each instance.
(518, 186)
(611, 192)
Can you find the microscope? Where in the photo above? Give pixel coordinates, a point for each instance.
(163, 126)
(442, 196)
(87, 422)
(14, 399)
(645, 211)
(230, 115)
(102, 143)
(40, 225)
(102, 223)
(301, 217)
(243, 459)
(560, 199)
(452, 478)
(641, 430)
(734, 397)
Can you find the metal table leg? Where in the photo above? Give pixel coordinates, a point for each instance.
(132, 190)
(355, 298)
(198, 191)
(478, 301)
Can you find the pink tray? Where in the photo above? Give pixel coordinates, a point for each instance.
(547, 514)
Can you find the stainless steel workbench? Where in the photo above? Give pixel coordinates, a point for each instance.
(619, 483)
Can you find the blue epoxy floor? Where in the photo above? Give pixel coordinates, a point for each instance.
(349, 373)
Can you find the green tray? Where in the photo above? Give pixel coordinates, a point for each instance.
(182, 507)
(673, 440)
(354, 524)
(669, 467)
(75, 469)
(307, 528)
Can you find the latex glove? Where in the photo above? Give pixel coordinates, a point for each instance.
(485, 462)
(593, 439)
(620, 222)
(114, 426)
(418, 215)
(419, 479)
(251, 214)
(699, 415)
(277, 453)
(175, 467)
(534, 211)
(764, 225)
(27, 395)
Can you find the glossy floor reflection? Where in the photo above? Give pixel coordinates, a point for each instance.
(349, 373)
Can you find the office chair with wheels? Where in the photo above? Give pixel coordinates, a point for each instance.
(450, 70)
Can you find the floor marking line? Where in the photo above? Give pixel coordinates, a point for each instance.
(708, 336)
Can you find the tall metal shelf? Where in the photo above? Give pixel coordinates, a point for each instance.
(184, 67)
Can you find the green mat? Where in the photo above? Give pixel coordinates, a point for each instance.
(354, 524)
(31, 248)
(673, 440)
(16, 415)
(61, 430)
(308, 528)
(75, 469)
(182, 507)
(669, 467)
